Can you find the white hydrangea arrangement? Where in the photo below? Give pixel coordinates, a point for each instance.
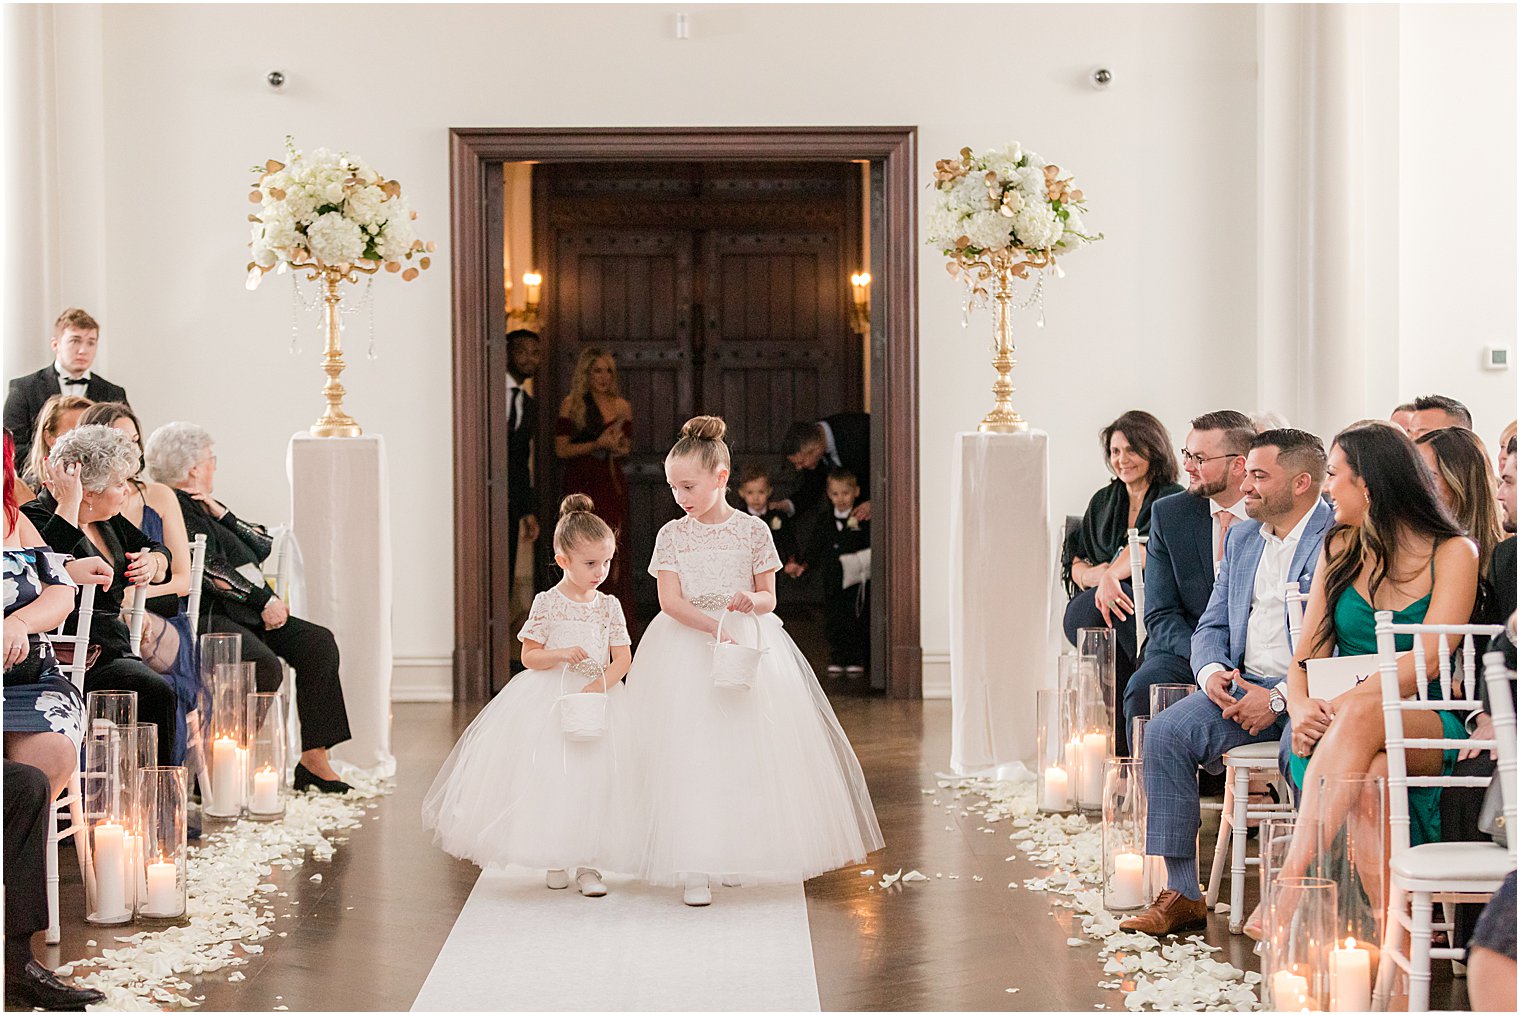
(1004, 199)
(331, 210)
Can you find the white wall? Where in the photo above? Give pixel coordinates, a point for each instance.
(1161, 315)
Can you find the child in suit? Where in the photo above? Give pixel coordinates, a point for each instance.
(847, 623)
(755, 491)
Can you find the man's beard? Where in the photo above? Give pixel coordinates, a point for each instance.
(1509, 523)
(1270, 507)
(1204, 488)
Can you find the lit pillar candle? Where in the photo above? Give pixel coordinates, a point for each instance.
(110, 869)
(1290, 992)
(1129, 881)
(266, 792)
(163, 889)
(226, 778)
(1094, 753)
(1057, 788)
(1350, 978)
(132, 864)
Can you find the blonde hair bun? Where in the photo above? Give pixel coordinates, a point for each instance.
(705, 428)
(575, 502)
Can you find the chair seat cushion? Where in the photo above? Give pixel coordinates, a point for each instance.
(1443, 863)
(1255, 755)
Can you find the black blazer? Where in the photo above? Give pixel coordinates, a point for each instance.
(1179, 571)
(519, 459)
(828, 543)
(106, 626)
(27, 395)
(230, 543)
(852, 440)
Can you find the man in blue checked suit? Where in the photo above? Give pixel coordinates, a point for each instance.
(1240, 654)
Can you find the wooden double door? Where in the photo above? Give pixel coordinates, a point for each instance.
(720, 288)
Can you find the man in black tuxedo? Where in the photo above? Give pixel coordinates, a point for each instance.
(76, 336)
(842, 441)
(523, 355)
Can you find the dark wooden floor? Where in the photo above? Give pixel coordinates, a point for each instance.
(366, 936)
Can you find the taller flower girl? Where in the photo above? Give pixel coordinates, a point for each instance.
(755, 785)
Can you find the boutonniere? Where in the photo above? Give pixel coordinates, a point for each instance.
(776, 523)
(853, 524)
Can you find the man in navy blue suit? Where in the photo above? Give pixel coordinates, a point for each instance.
(1186, 544)
(1240, 655)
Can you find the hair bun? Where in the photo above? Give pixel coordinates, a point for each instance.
(705, 428)
(575, 502)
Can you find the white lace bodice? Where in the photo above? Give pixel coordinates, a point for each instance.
(557, 621)
(716, 559)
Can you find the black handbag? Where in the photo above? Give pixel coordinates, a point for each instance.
(1491, 817)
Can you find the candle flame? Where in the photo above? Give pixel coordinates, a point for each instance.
(1351, 942)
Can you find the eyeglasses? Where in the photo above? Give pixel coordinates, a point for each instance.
(1188, 458)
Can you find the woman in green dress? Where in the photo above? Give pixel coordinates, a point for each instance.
(1395, 547)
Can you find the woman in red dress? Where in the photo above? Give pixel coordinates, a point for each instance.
(592, 439)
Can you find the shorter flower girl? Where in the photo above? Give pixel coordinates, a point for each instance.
(517, 790)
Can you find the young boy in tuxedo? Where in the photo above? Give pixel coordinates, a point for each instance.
(755, 491)
(847, 622)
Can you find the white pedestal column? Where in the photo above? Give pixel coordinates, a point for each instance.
(340, 513)
(1000, 598)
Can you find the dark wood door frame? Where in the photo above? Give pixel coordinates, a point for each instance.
(894, 341)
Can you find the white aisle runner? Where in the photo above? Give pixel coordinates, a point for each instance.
(517, 946)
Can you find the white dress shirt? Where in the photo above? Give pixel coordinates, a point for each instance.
(515, 393)
(1267, 651)
(64, 381)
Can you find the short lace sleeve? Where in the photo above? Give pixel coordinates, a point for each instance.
(51, 569)
(763, 546)
(665, 557)
(537, 626)
(617, 626)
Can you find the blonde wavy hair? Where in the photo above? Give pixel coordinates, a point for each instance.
(580, 381)
(46, 433)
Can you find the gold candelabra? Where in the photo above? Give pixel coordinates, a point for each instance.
(1000, 267)
(334, 422)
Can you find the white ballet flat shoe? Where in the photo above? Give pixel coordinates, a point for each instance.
(557, 879)
(732, 881)
(589, 882)
(697, 891)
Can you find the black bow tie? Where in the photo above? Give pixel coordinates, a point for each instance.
(73, 380)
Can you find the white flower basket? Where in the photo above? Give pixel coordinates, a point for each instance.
(735, 665)
(583, 716)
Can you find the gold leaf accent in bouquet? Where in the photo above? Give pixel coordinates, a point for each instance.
(426, 262)
(255, 196)
(277, 193)
(392, 266)
(409, 274)
(273, 167)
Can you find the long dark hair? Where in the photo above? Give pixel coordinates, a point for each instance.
(1149, 438)
(1400, 497)
(107, 413)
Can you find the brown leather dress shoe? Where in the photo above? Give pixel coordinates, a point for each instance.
(1170, 913)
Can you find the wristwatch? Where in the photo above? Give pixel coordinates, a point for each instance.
(1276, 702)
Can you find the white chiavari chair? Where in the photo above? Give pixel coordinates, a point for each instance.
(72, 801)
(1258, 761)
(195, 749)
(197, 574)
(1137, 582)
(1448, 872)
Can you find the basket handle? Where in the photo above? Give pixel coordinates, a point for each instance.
(718, 638)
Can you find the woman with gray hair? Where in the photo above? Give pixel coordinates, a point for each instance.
(80, 514)
(234, 601)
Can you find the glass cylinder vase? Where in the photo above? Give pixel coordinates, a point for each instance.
(1164, 696)
(1350, 851)
(227, 739)
(162, 792)
(1123, 835)
(1091, 742)
(119, 708)
(110, 890)
(267, 755)
(141, 745)
(1055, 710)
(1275, 841)
(1300, 937)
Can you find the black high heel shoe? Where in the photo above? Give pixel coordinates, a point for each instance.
(307, 779)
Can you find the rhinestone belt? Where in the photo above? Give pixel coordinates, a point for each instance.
(588, 668)
(712, 601)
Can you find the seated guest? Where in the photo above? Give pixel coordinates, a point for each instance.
(1095, 558)
(755, 491)
(28, 813)
(1240, 654)
(1491, 955)
(80, 514)
(167, 643)
(58, 415)
(1402, 415)
(1432, 412)
(1501, 569)
(1504, 447)
(841, 441)
(1186, 545)
(76, 337)
(236, 600)
(1395, 547)
(1464, 481)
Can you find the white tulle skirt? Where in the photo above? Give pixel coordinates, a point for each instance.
(516, 792)
(756, 786)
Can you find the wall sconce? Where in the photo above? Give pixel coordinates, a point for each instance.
(527, 317)
(860, 311)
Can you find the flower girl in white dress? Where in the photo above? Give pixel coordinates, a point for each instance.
(752, 786)
(517, 790)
